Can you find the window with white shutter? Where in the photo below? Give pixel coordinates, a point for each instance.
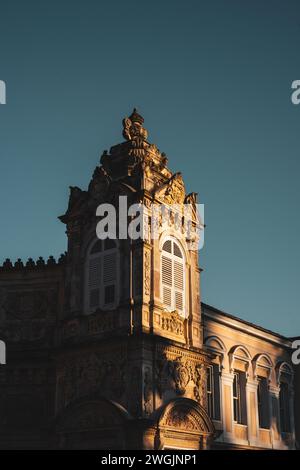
(172, 276)
(102, 275)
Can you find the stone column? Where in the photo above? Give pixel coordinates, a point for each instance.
(275, 415)
(226, 383)
(252, 412)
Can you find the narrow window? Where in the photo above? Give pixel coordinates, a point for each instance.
(263, 403)
(239, 397)
(284, 403)
(213, 391)
(102, 275)
(172, 277)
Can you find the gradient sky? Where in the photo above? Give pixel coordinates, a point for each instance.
(213, 82)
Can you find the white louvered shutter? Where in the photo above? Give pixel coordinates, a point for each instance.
(109, 277)
(102, 276)
(94, 282)
(167, 280)
(172, 276)
(178, 284)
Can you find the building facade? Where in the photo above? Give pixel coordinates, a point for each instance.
(109, 347)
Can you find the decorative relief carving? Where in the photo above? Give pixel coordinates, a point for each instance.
(34, 331)
(147, 273)
(83, 376)
(179, 419)
(184, 418)
(30, 304)
(184, 373)
(172, 322)
(199, 379)
(172, 192)
(101, 322)
(133, 127)
(28, 315)
(71, 328)
(175, 191)
(99, 185)
(180, 371)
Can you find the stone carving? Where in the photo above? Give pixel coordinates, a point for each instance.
(147, 273)
(101, 322)
(179, 419)
(179, 370)
(191, 201)
(81, 377)
(172, 192)
(31, 331)
(200, 378)
(99, 185)
(28, 315)
(185, 374)
(172, 322)
(133, 127)
(25, 305)
(183, 418)
(175, 191)
(71, 328)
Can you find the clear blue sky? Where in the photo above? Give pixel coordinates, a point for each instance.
(212, 79)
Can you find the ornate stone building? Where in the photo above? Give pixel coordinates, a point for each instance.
(108, 349)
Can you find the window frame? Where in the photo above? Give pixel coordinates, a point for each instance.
(214, 394)
(181, 260)
(236, 397)
(263, 403)
(284, 407)
(239, 400)
(101, 254)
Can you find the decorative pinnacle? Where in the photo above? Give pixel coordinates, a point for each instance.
(136, 117)
(133, 127)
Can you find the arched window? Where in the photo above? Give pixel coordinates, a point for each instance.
(172, 276)
(102, 276)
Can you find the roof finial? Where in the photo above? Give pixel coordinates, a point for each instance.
(136, 117)
(133, 127)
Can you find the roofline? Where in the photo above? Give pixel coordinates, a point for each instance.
(245, 322)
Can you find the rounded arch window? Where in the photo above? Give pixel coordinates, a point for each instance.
(173, 276)
(102, 275)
